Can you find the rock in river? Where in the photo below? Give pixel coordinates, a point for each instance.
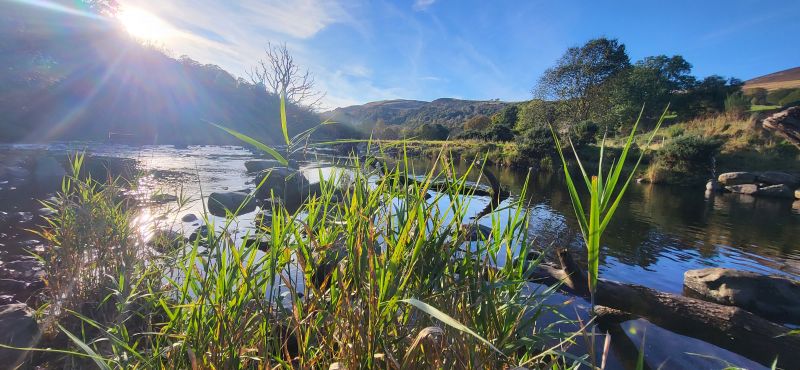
(771, 296)
(736, 178)
(749, 189)
(287, 184)
(778, 191)
(260, 165)
(218, 203)
(776, 178)
(18, 328)
(189, 217)
(797, 194)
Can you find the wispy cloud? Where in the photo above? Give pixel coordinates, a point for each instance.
(423, 4)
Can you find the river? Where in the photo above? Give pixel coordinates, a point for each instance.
(657, 233)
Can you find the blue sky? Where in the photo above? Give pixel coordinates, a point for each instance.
(361, 51)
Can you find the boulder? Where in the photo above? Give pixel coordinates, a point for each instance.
(778, 191)
(713, 185)
(189, 217)
(736, 178)
(288, 185)
(774, 297)
(777, 178)
(749, 189)
(797, 194)
(218, 203)
(18, 328)
(260, 165)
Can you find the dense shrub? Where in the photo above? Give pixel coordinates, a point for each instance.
(536, 143)
(685, 160)
(478, 123)
(585, 133)
(737, 104)
(495, 133)
(432, 132)
(758, 96)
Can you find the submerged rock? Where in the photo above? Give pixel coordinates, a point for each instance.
(18, 328)
(261, 165)
(218, 203)
(736, 178)
(749, 189)
(771, 296)
(778, 191)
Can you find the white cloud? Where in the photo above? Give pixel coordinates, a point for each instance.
(423, 4)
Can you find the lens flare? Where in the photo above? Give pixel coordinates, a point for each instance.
(144, 25)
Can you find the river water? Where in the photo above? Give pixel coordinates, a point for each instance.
(658, 231)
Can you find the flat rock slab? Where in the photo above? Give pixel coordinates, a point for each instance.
(773, 297)
(219, 203)
(776, 178)
(736, 178)
(749, 189)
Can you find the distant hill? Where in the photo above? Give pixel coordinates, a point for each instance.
(446, 111)
(789, 78)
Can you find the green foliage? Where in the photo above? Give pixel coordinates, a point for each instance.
(536, 113)
(433, 131)
(775, 96)
(363, 277)
(536, 143)
(507, 116)
(579, 74)
(737, 104)
(685, 160)
(478, 123)
(500, 133)
(793, 98)
(651, 82)
(584, 133)
(758, 96)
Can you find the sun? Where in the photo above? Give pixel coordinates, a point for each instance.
(144, 25)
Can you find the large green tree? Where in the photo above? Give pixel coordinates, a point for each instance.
(579, 76)
(652, 83)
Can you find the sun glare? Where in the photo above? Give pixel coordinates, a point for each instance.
(144, 25)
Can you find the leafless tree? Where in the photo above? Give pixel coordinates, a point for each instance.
(279, 73)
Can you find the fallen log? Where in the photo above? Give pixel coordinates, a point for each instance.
(727, 327)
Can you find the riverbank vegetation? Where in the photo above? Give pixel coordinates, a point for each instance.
(374, 275)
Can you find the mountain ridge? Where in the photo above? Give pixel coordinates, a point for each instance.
(449, 112)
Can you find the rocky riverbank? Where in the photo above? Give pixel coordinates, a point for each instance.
(773, 184)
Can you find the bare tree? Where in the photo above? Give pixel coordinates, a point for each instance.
(278, 73)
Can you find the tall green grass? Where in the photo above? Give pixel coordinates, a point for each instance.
(604, 195)
(373, 275)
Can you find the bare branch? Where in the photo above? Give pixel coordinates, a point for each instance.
(278, 73)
